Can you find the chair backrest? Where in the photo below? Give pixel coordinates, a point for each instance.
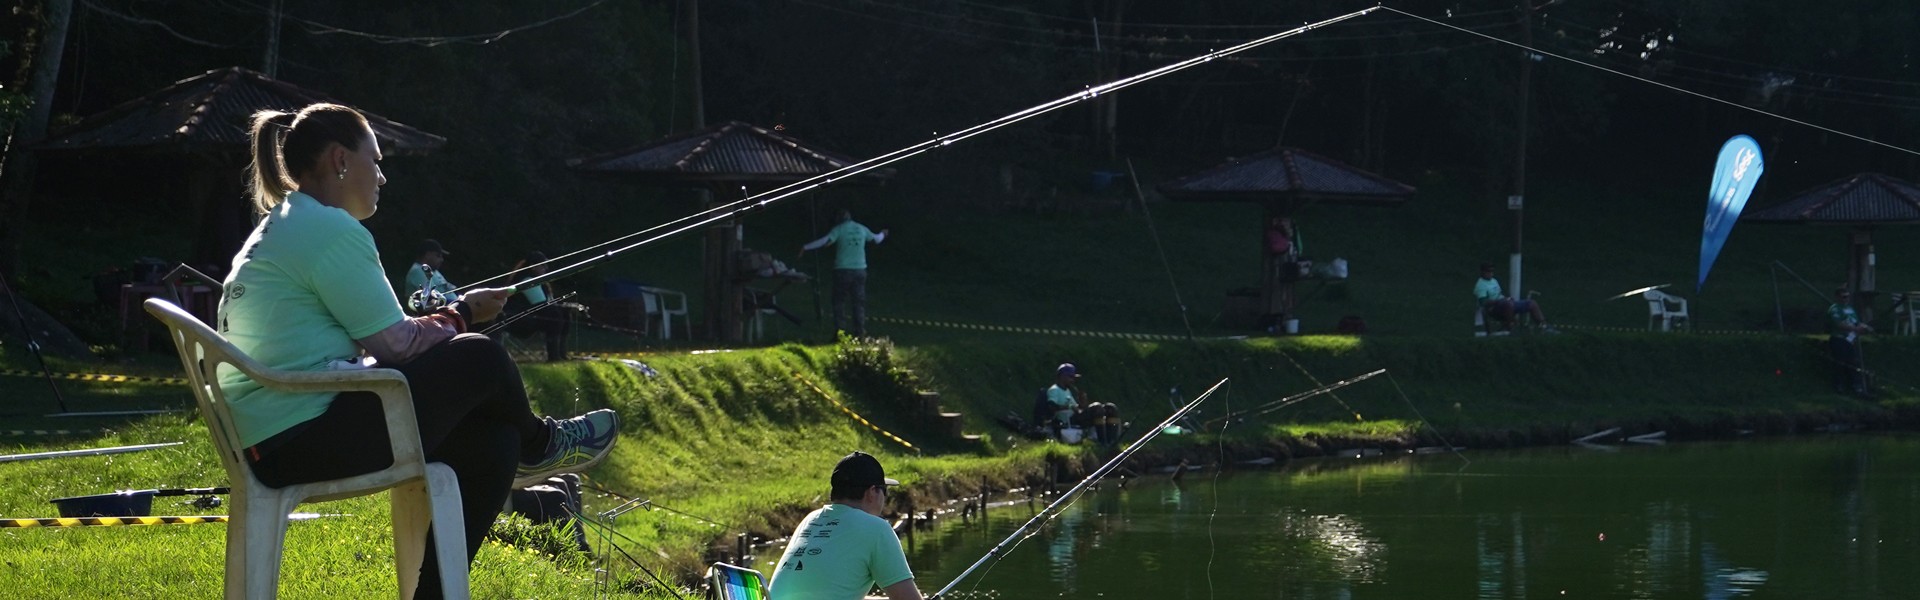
(202, 351)
(1656, 302)
(651, 302)
(735, 583)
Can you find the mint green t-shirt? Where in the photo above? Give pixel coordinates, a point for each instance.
(1486, 290)
(417, 278)
(1063, 402)
(307, 284)
(850, 245)
(838, 552)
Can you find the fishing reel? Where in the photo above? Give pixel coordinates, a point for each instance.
(426, 301)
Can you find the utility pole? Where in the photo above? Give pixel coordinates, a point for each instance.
(693, 40)
(18, 170)
(1516, 202)
(270, 64)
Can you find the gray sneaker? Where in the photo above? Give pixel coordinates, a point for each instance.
(577, 444)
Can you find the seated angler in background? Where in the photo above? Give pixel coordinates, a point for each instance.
(424, 275)
(1501, 307)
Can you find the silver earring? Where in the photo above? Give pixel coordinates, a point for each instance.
(342, 174)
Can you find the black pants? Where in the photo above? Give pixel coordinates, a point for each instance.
(1848, 374)
(473, 416)
(850, 295)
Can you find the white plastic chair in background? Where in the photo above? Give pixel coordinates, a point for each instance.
(422, 492)
(658, 306)
(1905, 318)
(1666, 310)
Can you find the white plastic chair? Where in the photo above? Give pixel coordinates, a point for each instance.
(1660, 311)
(422, 492)
(1905, 318)
(658, 306)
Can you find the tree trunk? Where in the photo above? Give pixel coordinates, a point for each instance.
(20, 163)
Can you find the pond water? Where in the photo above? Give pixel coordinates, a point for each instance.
(1807, 517)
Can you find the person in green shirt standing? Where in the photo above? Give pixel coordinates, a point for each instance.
(844, 549)
(849, 270)
(1843, 340)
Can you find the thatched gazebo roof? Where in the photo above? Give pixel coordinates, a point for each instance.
(210, 111)
(1861, 199)
(733, 153)
(1290, 177)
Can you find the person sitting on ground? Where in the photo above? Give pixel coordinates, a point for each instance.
(307, 293)
(424, 274)
(1500, 307)
(1069, 406)
(1843, 341)
(550, 321)
(845, 549)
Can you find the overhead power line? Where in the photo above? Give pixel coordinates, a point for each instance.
(151, 23)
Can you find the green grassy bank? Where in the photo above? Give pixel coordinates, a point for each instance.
(742, 438)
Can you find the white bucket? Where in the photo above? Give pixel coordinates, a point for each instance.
(1070, 435)
(1293, 326)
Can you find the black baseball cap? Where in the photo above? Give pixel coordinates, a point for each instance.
(432, 245)
(860, 470)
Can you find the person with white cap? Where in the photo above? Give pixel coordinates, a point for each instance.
(843, 550)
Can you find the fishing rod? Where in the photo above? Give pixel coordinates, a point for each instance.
(1065, 498)
(596, 254)
(499, 324)
(1294, 399)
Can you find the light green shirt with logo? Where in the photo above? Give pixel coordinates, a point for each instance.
(307, 284)
(838, 552)
(850, 240)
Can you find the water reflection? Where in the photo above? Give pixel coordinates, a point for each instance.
(1809, 518)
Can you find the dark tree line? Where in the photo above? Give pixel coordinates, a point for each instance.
(1410, 98)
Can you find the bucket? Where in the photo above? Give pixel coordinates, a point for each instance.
(1293, 326)
(1070, 435)
(131, 503)
(127, 503)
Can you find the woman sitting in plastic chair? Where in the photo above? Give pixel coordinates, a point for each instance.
(306, 293)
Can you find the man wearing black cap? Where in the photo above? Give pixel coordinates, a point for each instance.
(844, 549)
(425, 272)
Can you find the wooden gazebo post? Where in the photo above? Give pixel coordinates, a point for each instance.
(1861, 202)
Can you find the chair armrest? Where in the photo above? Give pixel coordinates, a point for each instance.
(396, 400)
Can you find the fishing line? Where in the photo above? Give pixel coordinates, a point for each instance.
(1326, 389)
(1668, 86)
(1220, 444)
(1429, 424)
(1059, 504)
(1157, 246)
(722, 212)
(605, 528)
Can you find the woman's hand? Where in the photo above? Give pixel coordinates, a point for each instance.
(486, 302)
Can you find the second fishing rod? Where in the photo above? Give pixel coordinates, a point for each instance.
(593, 255)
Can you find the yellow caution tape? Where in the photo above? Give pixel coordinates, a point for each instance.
(109, 521)
(38, 432)
(106, 377)
(856, 416)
